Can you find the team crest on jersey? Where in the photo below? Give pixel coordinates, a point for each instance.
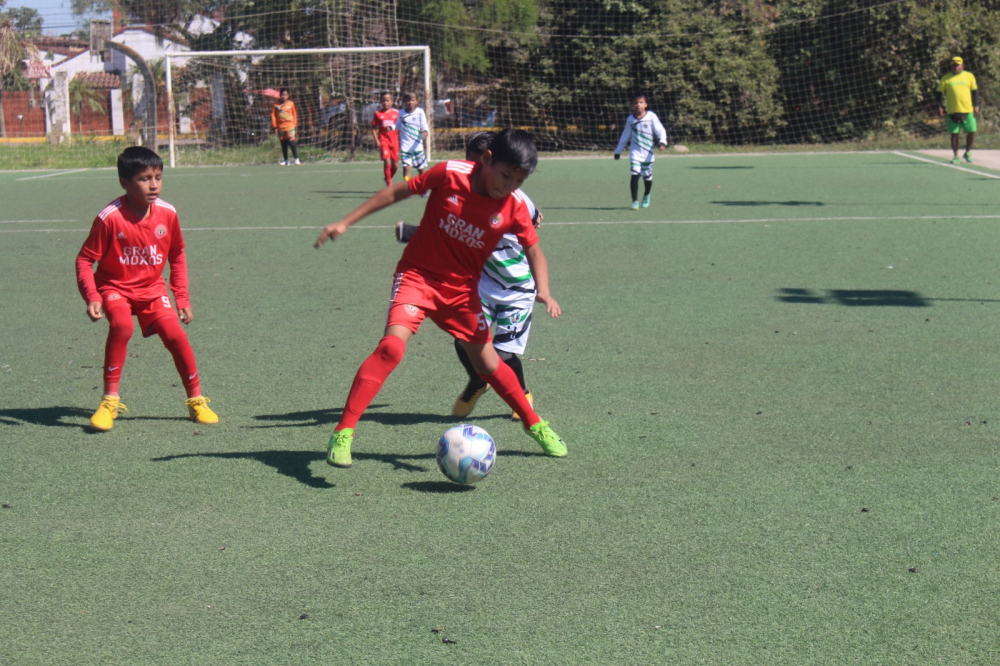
(412, 309)
(160, 231)
(113, 296)
(455, 200)
(121, 235)
(497, 220)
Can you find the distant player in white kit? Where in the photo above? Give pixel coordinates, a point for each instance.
(644, 130)
(413, 129)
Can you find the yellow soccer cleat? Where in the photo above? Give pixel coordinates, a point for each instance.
(104, 418)
(467, 400)
(199, 411)
(531, 401)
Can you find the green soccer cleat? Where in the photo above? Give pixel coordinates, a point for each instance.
(968, 156)
(635, 205)
(467, 400)
(551, 443)
(340, 448)
(955, 161)
(645, 201)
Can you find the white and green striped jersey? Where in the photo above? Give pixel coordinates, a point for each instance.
(411, 128)
(506, 276)
(645, 134)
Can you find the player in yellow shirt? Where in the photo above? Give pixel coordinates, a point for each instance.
(958, 96)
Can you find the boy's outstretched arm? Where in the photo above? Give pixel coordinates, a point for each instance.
(540, 271)
(381, 199)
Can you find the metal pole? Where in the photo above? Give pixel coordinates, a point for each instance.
(428, 101)
(170, 111)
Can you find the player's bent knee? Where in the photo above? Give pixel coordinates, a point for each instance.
(391, 349)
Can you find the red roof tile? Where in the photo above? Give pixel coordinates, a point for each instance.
(99, 79)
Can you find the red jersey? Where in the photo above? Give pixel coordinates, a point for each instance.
(460, 229)
(131, 254)
(385, 122)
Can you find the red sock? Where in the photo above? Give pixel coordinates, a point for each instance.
(369, 379)
(176, 341)
(120, 327)
(389, 173)
(393, 169)
(505, 383)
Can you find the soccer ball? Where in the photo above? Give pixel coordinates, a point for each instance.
(466, 453)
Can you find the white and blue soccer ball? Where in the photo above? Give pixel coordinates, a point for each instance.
(466, 453)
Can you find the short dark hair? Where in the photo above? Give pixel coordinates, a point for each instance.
(478, 143)
(643, 95)
(384, 93)
(284, 90)
(407, 96)
(516, 148)
(135, 159)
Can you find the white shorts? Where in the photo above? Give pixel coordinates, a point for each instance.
(511, 323)
(644, 169)
(417, 160)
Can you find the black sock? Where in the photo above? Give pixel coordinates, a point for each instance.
(514, 361)
(463, 358)
(634, 184)
(284, 150)
(649, 186)
(295, 149)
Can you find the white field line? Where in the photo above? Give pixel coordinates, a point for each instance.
(756, 220)
(944, 164)
(52, 175)
(35, 221)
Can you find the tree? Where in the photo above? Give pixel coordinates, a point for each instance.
(13, 50)
(82, 93)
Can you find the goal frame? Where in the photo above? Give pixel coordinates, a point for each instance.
(427, 93)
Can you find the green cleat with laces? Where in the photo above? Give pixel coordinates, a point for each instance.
(551, 443)
(340, 448)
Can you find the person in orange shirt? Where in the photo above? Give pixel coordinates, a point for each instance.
(284, 118)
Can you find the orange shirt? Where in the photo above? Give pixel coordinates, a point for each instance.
(284, 117)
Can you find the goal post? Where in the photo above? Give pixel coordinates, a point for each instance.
(219, 102)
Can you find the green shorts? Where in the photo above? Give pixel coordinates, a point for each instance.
(966, 121)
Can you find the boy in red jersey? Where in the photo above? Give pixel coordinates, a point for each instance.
(384, 132)
(471, 206)
(132, 240)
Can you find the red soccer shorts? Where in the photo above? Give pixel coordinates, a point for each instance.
(456, 310)
(146, 312)
(388, 149)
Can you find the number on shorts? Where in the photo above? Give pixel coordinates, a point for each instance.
(166, 301)
(482, 322)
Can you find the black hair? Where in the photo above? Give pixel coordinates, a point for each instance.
(407, 96)
(135, 159)
(478, 143)
(384, 93)
(516, 148)
(642, 95)
(284, 90)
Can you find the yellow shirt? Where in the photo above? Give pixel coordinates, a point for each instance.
(957, 89)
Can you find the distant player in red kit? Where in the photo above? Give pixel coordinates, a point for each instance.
(386, 135)
(471, 206)
(132, 240)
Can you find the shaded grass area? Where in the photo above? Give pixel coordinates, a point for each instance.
(781, 421)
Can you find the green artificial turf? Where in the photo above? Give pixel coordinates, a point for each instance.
(778, 385)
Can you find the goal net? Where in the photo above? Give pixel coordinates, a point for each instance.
(220, 102)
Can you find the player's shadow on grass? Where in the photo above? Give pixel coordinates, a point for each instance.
(721, 167)
(867, 297)
(769, 203)
(44, 416)
(293, 464)
(320, 417)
